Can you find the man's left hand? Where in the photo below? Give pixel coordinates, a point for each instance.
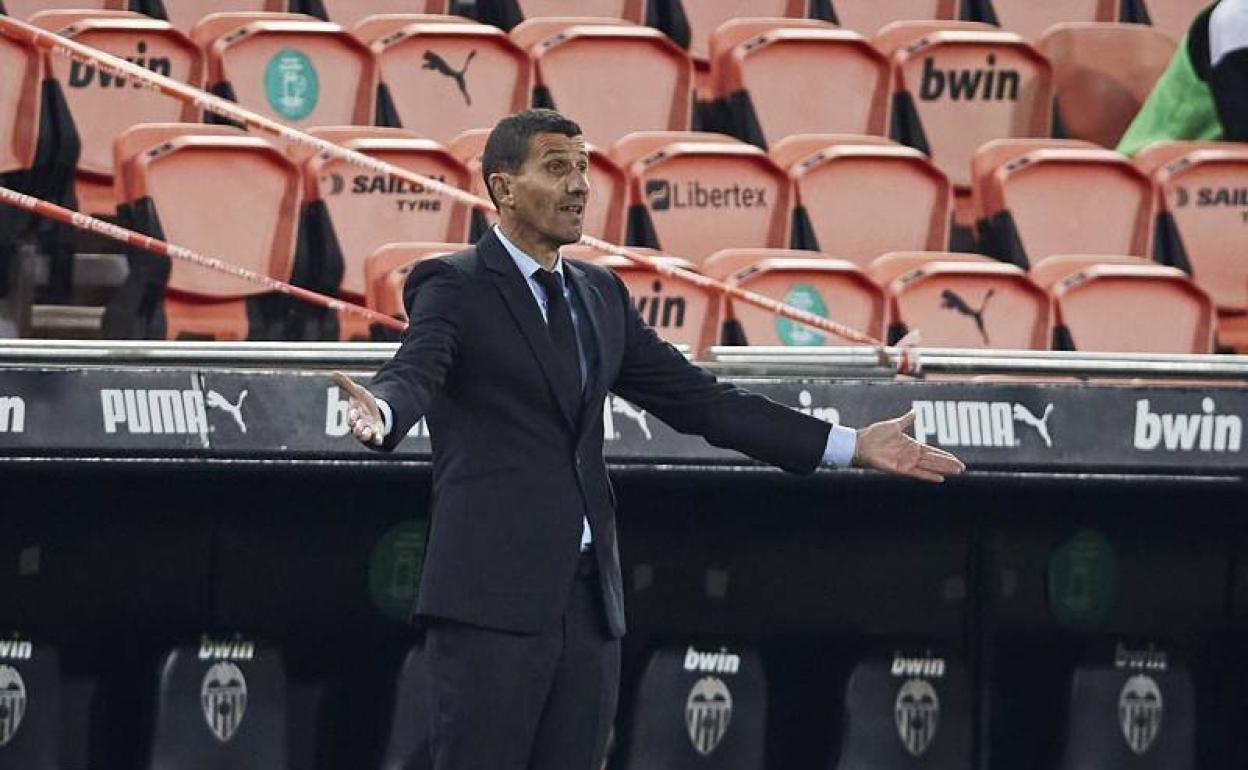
(884, 446)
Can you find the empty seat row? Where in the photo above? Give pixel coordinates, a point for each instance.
(226, 703)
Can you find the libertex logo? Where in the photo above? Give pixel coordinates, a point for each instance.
(665, 195)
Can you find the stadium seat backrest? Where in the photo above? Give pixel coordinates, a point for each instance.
(186, 14)
(830, 288)
(798, 146)
(220, 708)
(303, 72)
(1127, 305)
(615, 79)
(1174, 17)
(1130, 708)
(908, 710)
(1203, 196)
(1000, 151)
(959, 89)
(851, 95)
(641, 143)
(103, 106)
(444, 79)
(1063, 201)
(386, 270)
(628, 10)
(372, 28)
(869, 16)
(971, 304)
(692, 199)
(30, 705)
(368, 210)
(860, 201)
(1103, 72)
(699, 706)
(350, 13)
(899, 33)
(705, 16)
(132, 142)
(25, 9)
(681, 313)
(20, 99)
(1030, 19)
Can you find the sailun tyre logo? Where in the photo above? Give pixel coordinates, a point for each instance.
(12, 703)
(291, 84)
(917, 713)
(708, 710)
(223, 697)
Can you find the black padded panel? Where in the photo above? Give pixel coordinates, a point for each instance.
(30, 705)
(908, 710)
(1130, 707)
(700, 705)
(220, 706)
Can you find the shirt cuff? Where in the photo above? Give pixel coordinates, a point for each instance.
(840, 448)
(387, 417)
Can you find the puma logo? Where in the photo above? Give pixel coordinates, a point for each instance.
(217, 401)
(438, 64)
(1041, 424)
(951, 301)
(625, 409)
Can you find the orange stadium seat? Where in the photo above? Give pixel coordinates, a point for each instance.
(859, 199)
(691, 22)
(693, 198)
(963, 301)
(1125, 305)
(959, 87)
(508, 13)
(25, 9)
(349, 213)
(681, 313)
(100, 106)
(1038, 201)
(172, 181)
(296, 70)
(349, 13)
(613, 79)
(185, 14)
(386, 271)
(750, 56)
(20, 105)
(810, 281)
(1103, 72)
(870, 16)
(1030, 18)
(1173, 17)
(606, 213)
(986, 159)
(441, 79)
(1203, 199)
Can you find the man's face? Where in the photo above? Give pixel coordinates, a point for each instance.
(551, 188)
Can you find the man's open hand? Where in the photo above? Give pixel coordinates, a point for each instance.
(363, 414)
(884, 446)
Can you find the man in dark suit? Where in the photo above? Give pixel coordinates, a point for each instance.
(509, 355)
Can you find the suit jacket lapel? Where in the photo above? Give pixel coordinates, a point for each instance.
(595, 307)
(523, 308)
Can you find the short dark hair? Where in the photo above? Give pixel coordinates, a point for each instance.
(508, 144)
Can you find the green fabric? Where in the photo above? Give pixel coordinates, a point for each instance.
(1181, 107)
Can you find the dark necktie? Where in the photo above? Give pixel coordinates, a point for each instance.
(559, 323)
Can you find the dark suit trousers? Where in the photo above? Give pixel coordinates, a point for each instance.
(507, 701)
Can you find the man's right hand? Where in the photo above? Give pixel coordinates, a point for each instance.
(363, 414)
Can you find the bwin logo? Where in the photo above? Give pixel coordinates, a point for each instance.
(926, 667)
(1151, 659)
(917, 714)
(1140, 711)
(83, 75)
(16, 649)
(614, 405)
(12, 414)
(237, 649)
(708, 710)
(977, 423)
(223, 698)
(336, 416)
(967, 85)
(722, 662)
(825, 413)
(1204, 432)
(662, 312)
(12, 703)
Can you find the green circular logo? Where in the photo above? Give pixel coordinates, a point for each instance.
(1083, 579)
(802, 296)
(394, 568)
(291, 85)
